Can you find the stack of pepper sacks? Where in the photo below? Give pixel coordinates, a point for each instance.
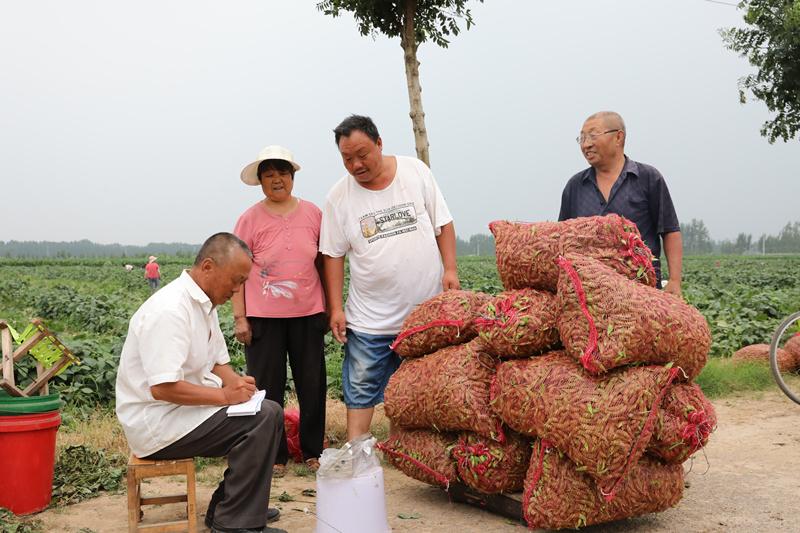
(573, 385)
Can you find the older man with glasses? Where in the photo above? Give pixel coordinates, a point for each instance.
(614, 183)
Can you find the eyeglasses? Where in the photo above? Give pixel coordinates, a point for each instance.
(591, 136)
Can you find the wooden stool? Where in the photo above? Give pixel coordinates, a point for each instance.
(139, 469)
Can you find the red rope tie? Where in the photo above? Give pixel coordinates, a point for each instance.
(436, 323)
(464, 452)
(494, 389)
(641, 442)
(505, 315)
(696, 431)
(637, 250)
(501, 434)
(590, 353)
(441, 478)
(545, 446)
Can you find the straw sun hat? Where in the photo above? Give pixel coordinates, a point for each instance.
(249, 173)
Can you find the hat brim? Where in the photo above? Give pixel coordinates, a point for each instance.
(249, 173)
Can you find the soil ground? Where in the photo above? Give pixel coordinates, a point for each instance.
(748, 479)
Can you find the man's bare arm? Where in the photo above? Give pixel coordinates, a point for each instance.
(673, 249)
(446, 241)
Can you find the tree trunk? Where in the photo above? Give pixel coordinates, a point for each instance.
(409, 43)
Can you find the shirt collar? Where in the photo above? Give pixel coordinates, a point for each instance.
(630, 167)
(197, 294)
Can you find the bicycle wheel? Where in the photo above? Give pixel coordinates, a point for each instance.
(788, 381)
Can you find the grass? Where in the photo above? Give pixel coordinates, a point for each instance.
(99, 430)
(722, 377)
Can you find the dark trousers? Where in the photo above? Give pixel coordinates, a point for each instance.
(250, 442)
(303, 338)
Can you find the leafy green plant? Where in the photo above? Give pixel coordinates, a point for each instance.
(81, 472)
(88, 302)
(11, 523)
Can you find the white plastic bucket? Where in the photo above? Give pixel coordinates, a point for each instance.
(352, 505)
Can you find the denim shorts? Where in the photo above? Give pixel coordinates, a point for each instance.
(368, 365)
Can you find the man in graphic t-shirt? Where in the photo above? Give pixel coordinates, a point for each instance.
(389, 216)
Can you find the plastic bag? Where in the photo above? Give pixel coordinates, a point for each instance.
(351, 460)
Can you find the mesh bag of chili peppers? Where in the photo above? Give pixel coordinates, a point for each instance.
(684, 423)
(491, 467)
(793, 347)
(526, 252)
(606, 321)
(602, 423)
(422, 454)
(444, 320)
(447, 390)
(760, 353)
(518, 323)
(558, 495)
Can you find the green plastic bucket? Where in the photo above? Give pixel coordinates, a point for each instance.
(18, 405)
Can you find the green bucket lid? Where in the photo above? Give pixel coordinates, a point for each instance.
(19, 405)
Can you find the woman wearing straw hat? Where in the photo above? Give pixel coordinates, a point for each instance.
(281, 309)
(152, 273)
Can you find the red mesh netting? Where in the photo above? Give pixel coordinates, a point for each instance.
(557, 495)
(422, 454)
(760, 353)
(447, 390)
(291, 421)
(685, 421)
(518, 323)
(602, 423)
(606, 321)
(526, 252)
(444, 320)
(490, 467)
(793, 347)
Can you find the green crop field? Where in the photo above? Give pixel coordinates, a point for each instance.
(88, 302)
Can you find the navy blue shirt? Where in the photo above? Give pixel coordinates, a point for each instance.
(640, 194)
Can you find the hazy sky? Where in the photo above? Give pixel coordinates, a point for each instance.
(129, 122)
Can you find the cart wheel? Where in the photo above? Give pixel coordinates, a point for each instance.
(792, 387)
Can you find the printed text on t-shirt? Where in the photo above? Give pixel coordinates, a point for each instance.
(389, 222)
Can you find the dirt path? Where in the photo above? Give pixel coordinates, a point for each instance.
(749, 480)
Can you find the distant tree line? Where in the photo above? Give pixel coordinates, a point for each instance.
(87, 248)
(479, 244)
(475, 245)
(697, 240)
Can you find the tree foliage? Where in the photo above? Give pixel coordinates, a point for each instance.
(771, 43)
(434, 20)
(414, 21)
(696, 238)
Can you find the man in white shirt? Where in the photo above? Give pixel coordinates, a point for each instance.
(174, 383)
(390, 218)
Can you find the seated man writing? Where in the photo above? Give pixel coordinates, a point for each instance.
(174, 383)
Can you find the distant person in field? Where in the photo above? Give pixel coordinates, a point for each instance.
(175, 382)
(152, 273)
(389, 217)
(614, 183)
(281, 309)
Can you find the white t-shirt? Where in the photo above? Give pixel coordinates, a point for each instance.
(174, 336)
(390, 239)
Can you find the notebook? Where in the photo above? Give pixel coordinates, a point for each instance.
(250, 407)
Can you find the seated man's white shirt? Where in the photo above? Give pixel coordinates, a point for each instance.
(174, 336)
(390, 239)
